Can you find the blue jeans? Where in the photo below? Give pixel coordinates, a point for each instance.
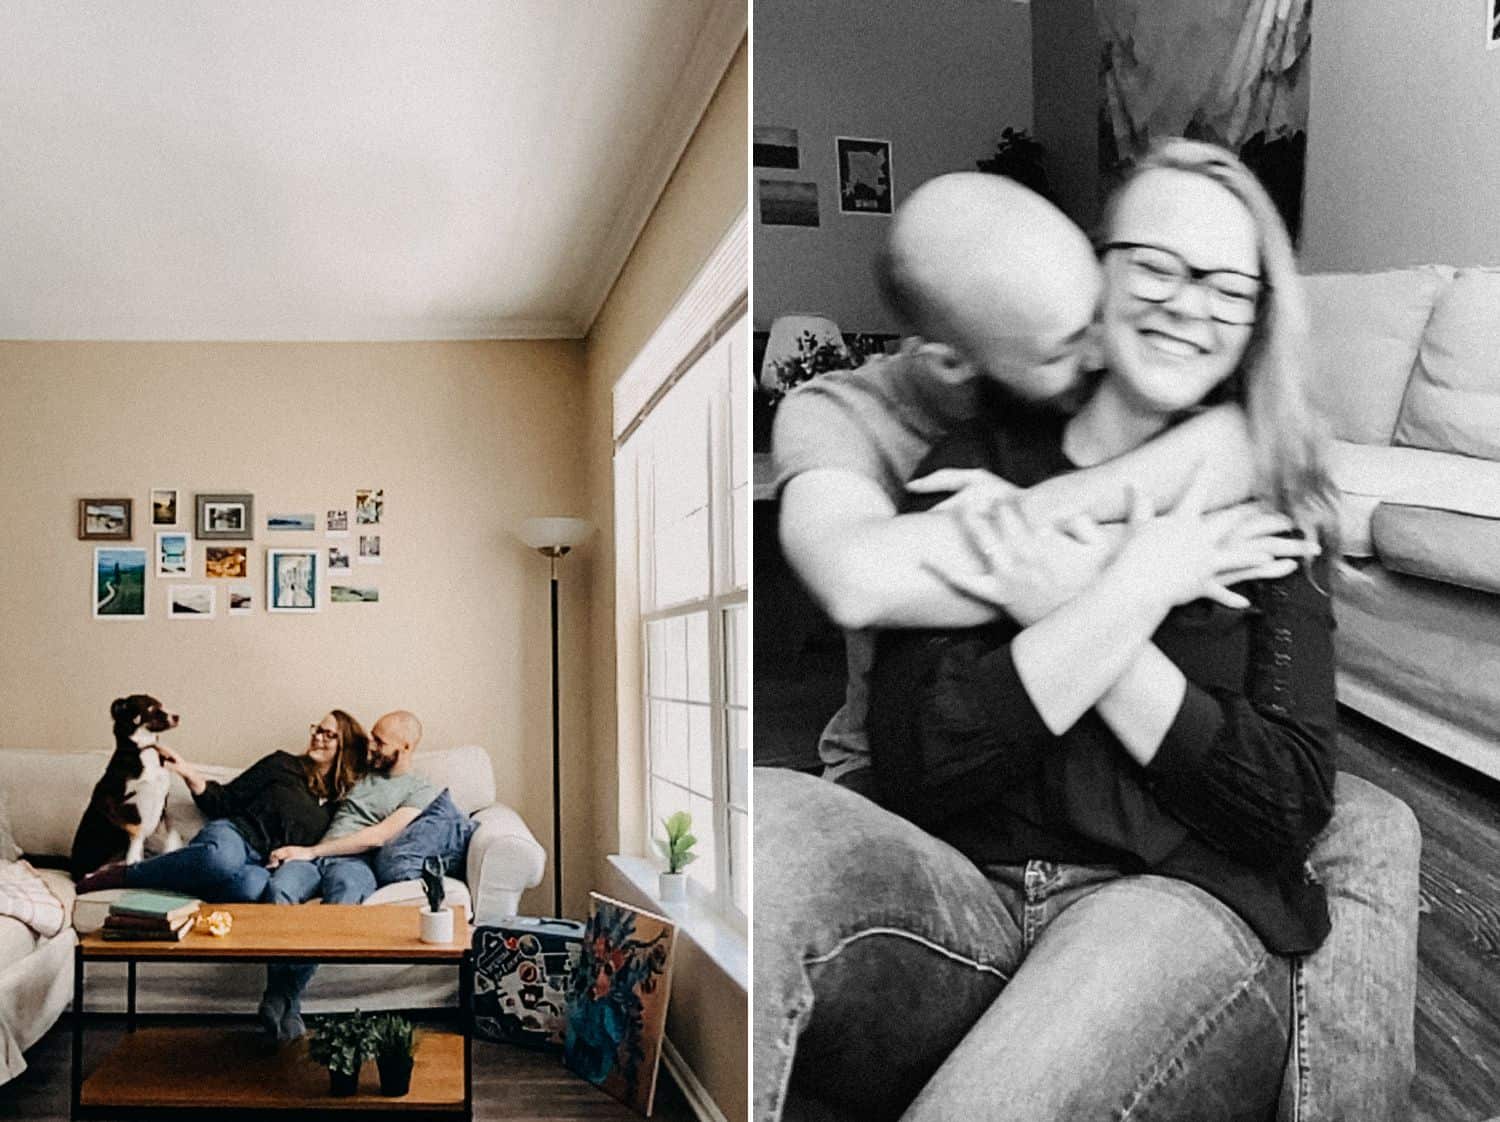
(341, 880)
(896, 973)
(218, 865)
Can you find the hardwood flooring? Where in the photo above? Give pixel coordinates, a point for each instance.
(514, 1084)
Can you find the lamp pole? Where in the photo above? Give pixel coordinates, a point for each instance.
(556, 756)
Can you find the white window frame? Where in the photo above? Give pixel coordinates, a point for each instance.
(713, 307)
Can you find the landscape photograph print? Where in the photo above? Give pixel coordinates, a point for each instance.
(119, 584)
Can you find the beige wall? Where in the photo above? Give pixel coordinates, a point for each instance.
(1403, 153)
(704, 196)
(938, 79)
(466, 439)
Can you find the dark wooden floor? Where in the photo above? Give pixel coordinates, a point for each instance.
(509, 1083)
(1458, 990)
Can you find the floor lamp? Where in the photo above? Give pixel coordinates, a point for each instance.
(553, 538)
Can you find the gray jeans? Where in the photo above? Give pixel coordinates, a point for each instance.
(881, 958)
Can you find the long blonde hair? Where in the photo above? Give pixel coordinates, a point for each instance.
(1270, 381)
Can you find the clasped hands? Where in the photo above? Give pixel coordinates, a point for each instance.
(1028, 564)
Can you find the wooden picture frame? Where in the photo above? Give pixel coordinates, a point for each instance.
(218, 521)
(105, 520)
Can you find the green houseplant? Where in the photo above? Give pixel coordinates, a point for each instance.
(395, 1045)
(678, 850)
(341, 1043)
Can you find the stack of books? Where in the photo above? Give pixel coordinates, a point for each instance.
(154, 916)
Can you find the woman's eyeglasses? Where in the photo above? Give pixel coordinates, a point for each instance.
(1156, 274)
(318, 732)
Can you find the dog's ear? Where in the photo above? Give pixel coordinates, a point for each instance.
(120, 707)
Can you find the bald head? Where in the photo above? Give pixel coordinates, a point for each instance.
(392, 741)
(995, 271)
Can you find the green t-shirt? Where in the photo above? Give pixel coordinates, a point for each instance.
(375, 798)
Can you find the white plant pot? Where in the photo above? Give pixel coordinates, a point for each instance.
(673, 886)
(437, 927)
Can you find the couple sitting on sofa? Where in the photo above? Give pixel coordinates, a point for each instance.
(340, 819)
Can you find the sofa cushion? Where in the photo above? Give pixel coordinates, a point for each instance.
(1367, 475)
(9, 850)
(1453, 402)
(1366, 328)
(441, 830)
(410, 892)
(1445, 545)
(466, 771)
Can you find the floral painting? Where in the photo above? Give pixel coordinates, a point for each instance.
(617, 1001)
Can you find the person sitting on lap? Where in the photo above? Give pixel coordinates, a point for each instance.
(339, 866)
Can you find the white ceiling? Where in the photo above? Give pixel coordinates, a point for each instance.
(345, 169)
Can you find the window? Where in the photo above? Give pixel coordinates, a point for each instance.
(682, 499)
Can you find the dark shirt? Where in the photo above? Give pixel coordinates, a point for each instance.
(269, 803)
(1239, 788)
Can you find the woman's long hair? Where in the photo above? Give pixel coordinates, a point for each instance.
(348, 761)
(1270, 382)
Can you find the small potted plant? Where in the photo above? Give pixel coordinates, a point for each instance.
(341, 1043)
(395, 1046)
(677, 849)
(437, 921)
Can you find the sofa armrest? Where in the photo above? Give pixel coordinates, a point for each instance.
(504, 860)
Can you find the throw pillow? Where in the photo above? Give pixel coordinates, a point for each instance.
(1365, 332)
(9, 850)
(1453, 402)
(441, 830)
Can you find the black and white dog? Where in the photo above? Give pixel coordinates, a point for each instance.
(129, 802)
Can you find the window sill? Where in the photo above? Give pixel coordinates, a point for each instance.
(714, 935)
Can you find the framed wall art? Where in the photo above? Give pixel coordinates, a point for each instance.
(864, 176)
(174, 553)
(164, 506)
(119, 583)
(104, 520)
(221, 561)
(228, 517)
(291, 580)
(191, 601)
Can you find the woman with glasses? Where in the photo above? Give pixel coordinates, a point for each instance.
(1136, 766)
(282, 799)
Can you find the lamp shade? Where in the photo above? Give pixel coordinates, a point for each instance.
(786, 331)
(554, 533)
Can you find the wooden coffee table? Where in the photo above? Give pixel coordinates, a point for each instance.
(158, 1071)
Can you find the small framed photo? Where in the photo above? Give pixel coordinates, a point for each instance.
(222, 561)
(191, 601)
(353, 594)
(298, 522)
(241, 596)
(174, 553)
(865, 176)
(369, 549)
(369, 506)
(291, 580)
(338, 523)
(119, 584)
(338, 559)
(228, 517)
(164, 506)
(104, 520)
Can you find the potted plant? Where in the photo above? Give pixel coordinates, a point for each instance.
(341, 1043)
(395, 1045)
(437, 921)
(677, 849)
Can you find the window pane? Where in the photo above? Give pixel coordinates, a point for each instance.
(666, 800)
(739, 856)
(680, 554)
(672, 756)
(674, 654)
(736, 656)
(697, 656)
(704, 869)
(738, 722)
(656, 667)
(700, 751)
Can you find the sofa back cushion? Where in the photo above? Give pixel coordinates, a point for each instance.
(1366, 329)
(1453, 402)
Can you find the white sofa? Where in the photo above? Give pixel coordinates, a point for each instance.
(47, 793)
(1408, 376)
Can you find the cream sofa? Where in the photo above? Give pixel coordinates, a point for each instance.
(47, 794)
(1408, 377)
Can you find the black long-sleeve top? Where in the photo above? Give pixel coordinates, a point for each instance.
(269, 803)
(1239, 788)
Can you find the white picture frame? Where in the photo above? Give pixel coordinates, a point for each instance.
(118, 598)
(293, 577)
(162, 505)
(174, 554)
(192, 602)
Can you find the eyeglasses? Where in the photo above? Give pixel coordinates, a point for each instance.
(318, 731)
(1157, 274)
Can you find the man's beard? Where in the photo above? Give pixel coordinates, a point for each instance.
(382, 763)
